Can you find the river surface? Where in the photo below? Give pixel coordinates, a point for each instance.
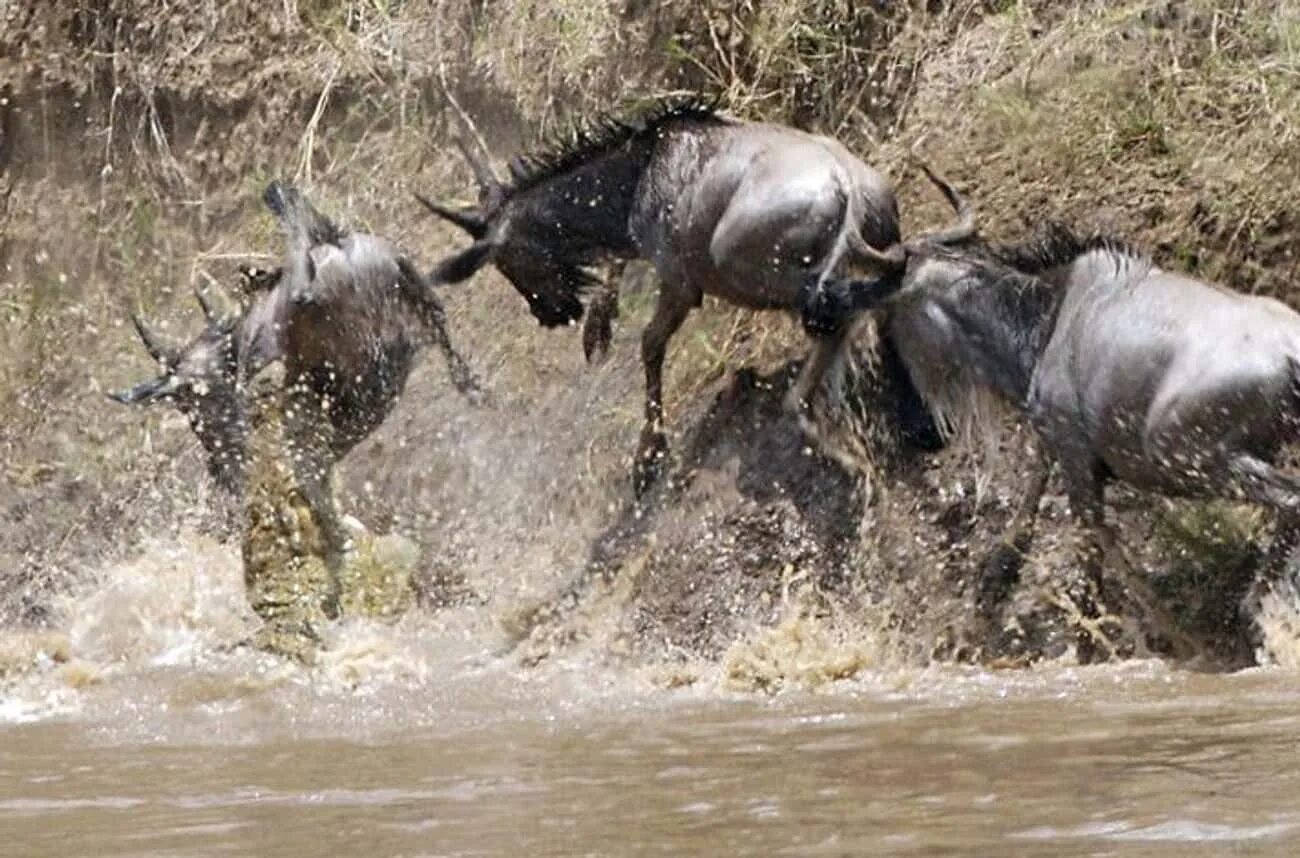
(1122, 760)
(139, 730)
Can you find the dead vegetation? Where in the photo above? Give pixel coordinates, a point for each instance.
(139, 135)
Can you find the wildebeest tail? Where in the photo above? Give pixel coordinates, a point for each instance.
(832, 300)
(298, 217)
(418, 295)
(851, 240)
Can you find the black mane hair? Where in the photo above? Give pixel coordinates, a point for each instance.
(590, 139)
(1056, 244)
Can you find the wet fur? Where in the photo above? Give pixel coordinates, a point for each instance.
(330, 312)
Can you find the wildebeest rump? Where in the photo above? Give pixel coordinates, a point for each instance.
(1126, 371)
(752, 213)
(346, 313)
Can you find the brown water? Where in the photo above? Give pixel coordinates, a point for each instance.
(140, 732)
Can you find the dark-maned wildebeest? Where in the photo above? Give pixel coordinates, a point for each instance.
(345, 313)
(1126, 371)
(749, 212)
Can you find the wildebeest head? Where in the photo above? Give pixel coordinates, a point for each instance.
(199, 380)
(564, 208)
(549, 282)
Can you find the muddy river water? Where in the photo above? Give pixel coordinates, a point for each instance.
(1133, 760)
(137, 730)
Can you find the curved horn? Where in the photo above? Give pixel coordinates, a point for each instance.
(965, 227)
(469, 220)
(146, 391)
(461, 266)
(889, 260)
(210, 310)
(154, 344)
(490, 189)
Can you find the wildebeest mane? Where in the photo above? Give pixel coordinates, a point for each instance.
(591, 138)
(1056, 244)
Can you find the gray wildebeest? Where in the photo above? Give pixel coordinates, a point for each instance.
(752, 213)
(1126, 371)
(345, 313)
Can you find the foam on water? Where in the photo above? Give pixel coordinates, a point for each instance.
(1279, 621)
(169, 625)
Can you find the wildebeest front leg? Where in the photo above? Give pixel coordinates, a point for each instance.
(1002, 567)
(419, 296)
(308, 431)
(674, 305)
(598, 329)
(1087, 498)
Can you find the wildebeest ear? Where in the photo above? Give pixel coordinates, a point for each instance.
(463, 265)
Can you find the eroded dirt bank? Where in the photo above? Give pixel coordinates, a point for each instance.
(136, 141)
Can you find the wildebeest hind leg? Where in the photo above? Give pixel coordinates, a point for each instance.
(671, 310)
(825, 351)
(1101, 543)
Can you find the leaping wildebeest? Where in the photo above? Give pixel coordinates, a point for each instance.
(345, 313)
(1126, 371)
(752, 213)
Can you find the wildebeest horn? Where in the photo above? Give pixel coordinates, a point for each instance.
(488, 185)
(965, 227)
(470, 220)
(478, 156)
(894, 257)
(146, 391)
(157, 348)
(210, 311)
(462, 265)
(889, 260)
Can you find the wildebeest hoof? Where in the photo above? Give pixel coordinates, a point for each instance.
(598, 329)
(651, 457)
(331, 604)
(467, 384)
(268, 382)
(352, 525)
(999, 573)
(1086, 650)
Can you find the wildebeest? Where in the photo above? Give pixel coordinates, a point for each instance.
(199, 380)
(749, 212)
(1126, 371)
(346, 313)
